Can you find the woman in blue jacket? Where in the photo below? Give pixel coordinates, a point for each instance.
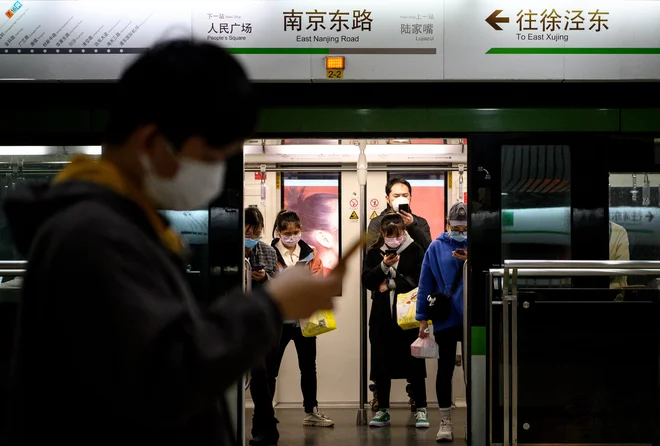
(442, 273)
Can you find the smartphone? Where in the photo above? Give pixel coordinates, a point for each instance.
(461, 252)
(390, 252)
(404, 208)
(258, 268)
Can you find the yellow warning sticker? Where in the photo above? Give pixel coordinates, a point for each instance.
(373, 215)
(354, 216)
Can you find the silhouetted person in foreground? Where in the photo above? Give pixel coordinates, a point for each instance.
(112, 346)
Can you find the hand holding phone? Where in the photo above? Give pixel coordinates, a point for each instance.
(460, 254)
(391, 252)
(257, 267)
(391, 259)
(404, 208)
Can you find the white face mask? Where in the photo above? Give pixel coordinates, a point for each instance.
(398, 201)
(194, 185)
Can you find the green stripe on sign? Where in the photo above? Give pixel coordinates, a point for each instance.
(573, 51)
(279, 50)
(478, 341)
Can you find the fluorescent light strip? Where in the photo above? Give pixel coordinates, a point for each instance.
(48, 150)
(87, 150)
(411, 149)
(313, 150)
(25, 150)
(351, 150)
(427, 183)
(253, 150)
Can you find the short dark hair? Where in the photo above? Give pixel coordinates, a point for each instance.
(397, 180)
(185, 88)
(254, 217)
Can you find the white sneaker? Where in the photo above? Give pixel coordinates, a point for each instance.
(446, 431)
(317, 419)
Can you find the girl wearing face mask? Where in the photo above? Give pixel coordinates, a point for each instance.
(291, 250)
(392, 266)
(262, 256)
(442, 273)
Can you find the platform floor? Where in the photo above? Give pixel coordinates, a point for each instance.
(346, 433)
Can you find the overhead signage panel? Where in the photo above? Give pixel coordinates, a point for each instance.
(289, 40)
(564, 39)
(380, 40)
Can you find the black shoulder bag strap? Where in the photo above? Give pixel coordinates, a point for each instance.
(406, 278)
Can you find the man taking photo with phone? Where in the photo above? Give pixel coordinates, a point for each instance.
(398, 193)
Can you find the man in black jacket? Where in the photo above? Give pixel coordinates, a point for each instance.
(399, 191)
(111, 345)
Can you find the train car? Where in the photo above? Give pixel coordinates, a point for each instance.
(532, 196)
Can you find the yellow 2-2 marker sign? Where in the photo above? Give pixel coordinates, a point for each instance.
(334, 74)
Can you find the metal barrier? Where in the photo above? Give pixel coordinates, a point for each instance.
(13, 268)
(535, 268)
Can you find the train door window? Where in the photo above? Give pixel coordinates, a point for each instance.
(428, 197)
(536, 202)
(315, 198)
(634, 222)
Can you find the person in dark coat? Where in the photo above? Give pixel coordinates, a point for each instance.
(388, 274)
(111, 344)
(398, 193)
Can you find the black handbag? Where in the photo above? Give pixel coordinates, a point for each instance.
(438, 307)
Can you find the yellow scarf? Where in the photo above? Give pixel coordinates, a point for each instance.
(105, 174)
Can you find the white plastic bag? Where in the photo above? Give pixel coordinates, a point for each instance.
(425, 348)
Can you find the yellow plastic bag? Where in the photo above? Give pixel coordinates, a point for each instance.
(321, 322)
(406, 308)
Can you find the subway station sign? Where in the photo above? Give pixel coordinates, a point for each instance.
(289, 40)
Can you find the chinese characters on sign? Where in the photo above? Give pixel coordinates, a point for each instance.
(636, 216)
(571, 20)
(422, 32)
(62, 39)
(129, 35)
(227, 27)
(417, 28)
(556, 24)
(338, 20)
